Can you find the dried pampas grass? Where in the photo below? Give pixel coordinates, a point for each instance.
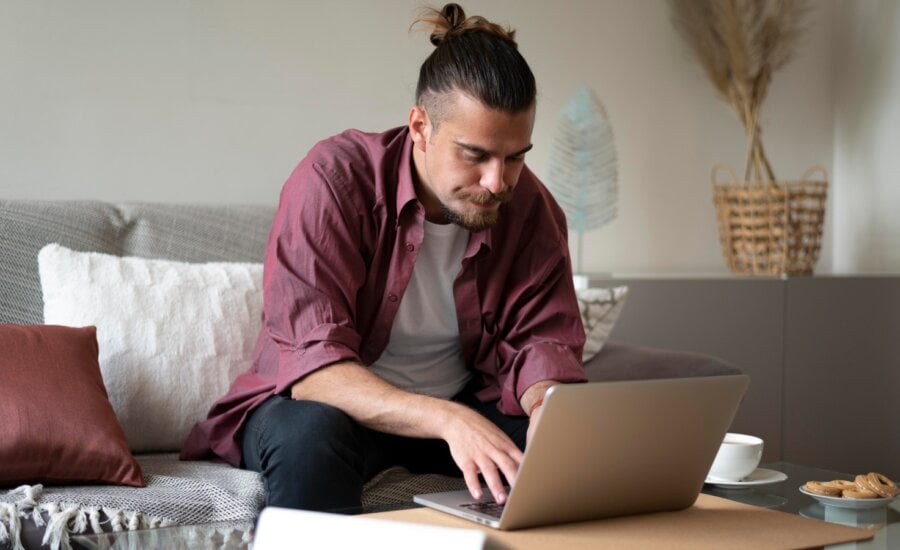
(740, 44)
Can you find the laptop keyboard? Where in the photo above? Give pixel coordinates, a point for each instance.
(490, 508)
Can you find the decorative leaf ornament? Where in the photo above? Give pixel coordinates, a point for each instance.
(583, 171)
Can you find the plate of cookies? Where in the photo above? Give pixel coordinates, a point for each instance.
(872, 490)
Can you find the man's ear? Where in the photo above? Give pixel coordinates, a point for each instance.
(419, 127)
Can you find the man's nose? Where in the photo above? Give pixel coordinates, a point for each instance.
(492, 177)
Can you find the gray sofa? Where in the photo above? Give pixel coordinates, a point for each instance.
(199, 233)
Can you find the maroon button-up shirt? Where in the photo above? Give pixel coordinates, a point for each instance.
(340, 255)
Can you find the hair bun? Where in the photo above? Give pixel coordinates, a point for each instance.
(455, 16)
(451, 20)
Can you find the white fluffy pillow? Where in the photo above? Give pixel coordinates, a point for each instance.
(172, 335)
(600, 308)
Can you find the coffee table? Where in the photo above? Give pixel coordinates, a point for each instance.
(786, 497)
(783, 496)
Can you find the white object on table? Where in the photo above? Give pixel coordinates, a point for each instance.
(285, 528)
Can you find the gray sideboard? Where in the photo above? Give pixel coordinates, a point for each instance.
(823, 354)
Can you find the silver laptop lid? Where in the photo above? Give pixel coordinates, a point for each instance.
(617, 448)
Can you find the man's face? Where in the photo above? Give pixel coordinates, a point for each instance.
(469, 165)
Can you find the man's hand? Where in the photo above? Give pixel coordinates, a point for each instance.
(476, 444)
(479, 446)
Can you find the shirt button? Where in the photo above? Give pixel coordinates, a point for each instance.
(410, 247)
(392, 297)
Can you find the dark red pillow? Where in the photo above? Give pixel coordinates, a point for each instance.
(56, 423)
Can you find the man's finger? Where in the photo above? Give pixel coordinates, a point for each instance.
(495, 484)
(516, 454)
(470, 474)
(509, 466)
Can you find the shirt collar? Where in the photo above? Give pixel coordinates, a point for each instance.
(406, 190)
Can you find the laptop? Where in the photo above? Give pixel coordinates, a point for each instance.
(607, 449)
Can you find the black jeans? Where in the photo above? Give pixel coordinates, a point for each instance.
(313, 456)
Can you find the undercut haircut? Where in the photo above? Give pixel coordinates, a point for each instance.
(476, 57)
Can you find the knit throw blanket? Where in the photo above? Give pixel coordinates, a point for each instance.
(177, 493)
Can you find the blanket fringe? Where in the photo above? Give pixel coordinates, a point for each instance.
(64, 519)
(57, 533)
(10, 526)
(116, 520)
(94, 518)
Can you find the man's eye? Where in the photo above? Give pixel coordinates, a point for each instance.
(476, 158)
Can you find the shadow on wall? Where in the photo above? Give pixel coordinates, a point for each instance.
(867, 83)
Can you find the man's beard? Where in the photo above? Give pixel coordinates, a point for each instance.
(474, 221)
(479, 220)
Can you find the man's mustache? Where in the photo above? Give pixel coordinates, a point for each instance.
(489, 197)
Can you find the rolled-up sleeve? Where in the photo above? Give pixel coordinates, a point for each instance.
(312, 275)
(531, 324)
(543, 336)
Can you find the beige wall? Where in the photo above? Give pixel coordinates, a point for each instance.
(867, 137)
(216, 101)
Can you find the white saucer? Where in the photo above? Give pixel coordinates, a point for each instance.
(851, 503)
(759, 476)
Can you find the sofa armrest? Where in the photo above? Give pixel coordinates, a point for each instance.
(627, 362)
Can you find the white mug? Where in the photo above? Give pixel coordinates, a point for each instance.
(738, 457)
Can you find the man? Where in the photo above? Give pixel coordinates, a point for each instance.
(418, 297)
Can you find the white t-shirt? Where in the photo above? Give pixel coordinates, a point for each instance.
(423, 353)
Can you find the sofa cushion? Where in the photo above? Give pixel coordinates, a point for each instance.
(618, 361)
(26, 226)
(195, 233)
(191, 233)
(173, 335)
(57, 424)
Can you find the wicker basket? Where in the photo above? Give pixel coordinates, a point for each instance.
(770, 228)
